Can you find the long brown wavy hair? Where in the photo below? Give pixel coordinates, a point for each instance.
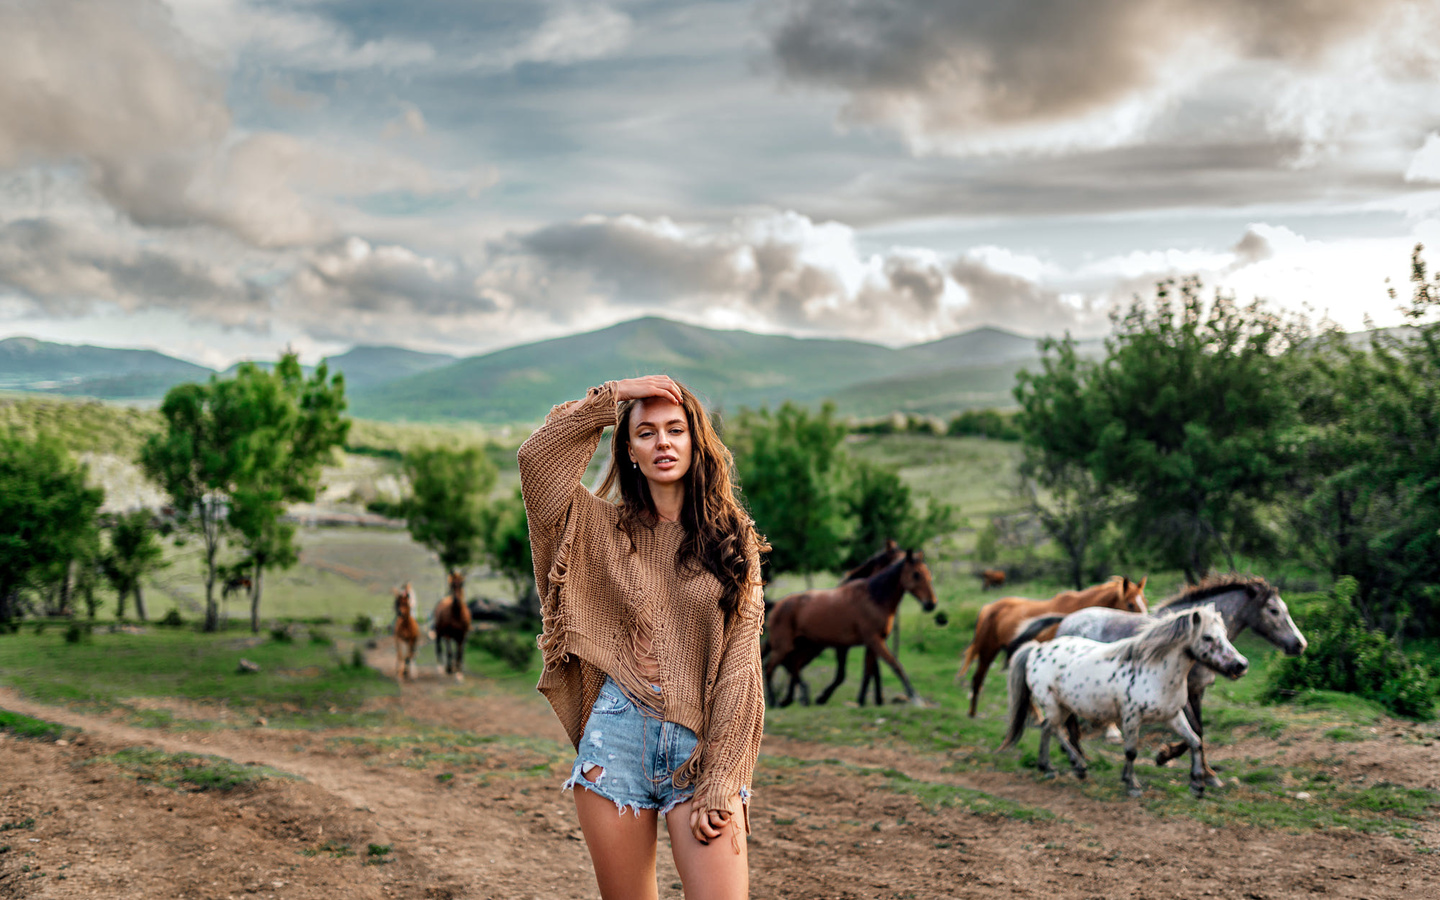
(718, 530)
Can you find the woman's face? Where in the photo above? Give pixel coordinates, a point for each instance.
(660, 440)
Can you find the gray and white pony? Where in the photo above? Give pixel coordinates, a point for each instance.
(1135, 681)
(1243, 602)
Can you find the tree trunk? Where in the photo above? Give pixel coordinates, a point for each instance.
(139, 602)
(212, 541)
(65, 589)
(120, 606)
(255, 600)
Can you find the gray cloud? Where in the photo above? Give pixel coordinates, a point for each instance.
(953, 72)
(65, 269)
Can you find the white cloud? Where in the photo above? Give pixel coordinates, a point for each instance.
(1425, 164)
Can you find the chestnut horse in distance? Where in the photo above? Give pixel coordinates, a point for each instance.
(407, 632)
(1001, 619)
(452, 626)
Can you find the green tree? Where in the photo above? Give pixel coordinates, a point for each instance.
(293, 426)
(506, 540)
(1187, 418)
(1370, 482)
(881, 506)
(790, 465)
(446, 509)
(134, 552)
(47, 516)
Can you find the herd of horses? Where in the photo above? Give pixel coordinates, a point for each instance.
(1101, 654)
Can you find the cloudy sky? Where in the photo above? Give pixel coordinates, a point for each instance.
(220, 178)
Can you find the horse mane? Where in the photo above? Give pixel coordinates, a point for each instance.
(1214, 585)
(873, 564)
(1158, 637)
(879, 584)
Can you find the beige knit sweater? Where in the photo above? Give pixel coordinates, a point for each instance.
(597, 592)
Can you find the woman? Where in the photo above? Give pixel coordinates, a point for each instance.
(652, 610)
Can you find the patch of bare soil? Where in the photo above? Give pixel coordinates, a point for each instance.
(502, 829)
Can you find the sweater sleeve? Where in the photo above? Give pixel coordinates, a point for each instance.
(735, 721)
(553, 459)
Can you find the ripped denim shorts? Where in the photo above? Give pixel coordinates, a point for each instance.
(637, 753)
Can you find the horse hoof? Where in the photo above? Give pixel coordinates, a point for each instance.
(1047, 774)
(1214, 782)
(1136, 791)
(1197, 789)
(1082, 774)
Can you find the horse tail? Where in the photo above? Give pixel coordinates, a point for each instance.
(1019, 697)
(1029, 631)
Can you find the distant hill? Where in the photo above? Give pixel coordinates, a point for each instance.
(27, 364)
(369, 365)
(729, 368)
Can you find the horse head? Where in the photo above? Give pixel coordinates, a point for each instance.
(457, 584)
(1210, 644)
(1270, 618)
(1130, 596)
(915, 578)
(404, 601)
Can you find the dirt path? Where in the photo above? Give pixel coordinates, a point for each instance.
(825, 823)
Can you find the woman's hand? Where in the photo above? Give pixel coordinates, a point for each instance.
(707, 825)
(648, 386)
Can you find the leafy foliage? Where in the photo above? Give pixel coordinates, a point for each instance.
(134, 552)
(1187, 418)
(446, 510)
(507, 547)
(1370, 482)
(47, 514)
(1345, 655)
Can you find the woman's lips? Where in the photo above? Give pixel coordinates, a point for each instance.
(664, 462)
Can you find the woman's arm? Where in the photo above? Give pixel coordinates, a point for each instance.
(735, 720)
(553, 459)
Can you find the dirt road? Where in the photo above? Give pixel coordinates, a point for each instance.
(828, 822)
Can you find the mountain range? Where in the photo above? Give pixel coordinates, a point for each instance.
(730, 369)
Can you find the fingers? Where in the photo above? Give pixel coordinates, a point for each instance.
(707, 825)
(649, 386)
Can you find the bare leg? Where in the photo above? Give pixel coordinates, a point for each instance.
(840, 654)
(719, 870)
(622, 847)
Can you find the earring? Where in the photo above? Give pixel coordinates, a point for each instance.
(634, 464)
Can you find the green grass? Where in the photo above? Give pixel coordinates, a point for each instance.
(186, 771)
(298, 684)
(24, 726)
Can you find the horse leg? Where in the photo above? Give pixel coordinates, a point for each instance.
(1130, 728)
(1072, 727)
(1181, 724)
(977, 681)
(840, 654)
(874, 666)
(770, 663)
(1046, 728)
(460, 658)
(1071, 745)
(877, 644)
(1198, 724)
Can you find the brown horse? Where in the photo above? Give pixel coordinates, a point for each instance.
(1001, 619)
(857, 613)
(407, 632)
(452, 625)
(992, 578)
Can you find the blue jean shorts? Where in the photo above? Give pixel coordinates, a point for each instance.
(637, 752)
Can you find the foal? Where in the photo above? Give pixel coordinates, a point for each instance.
(407, 632)
(1135, 681)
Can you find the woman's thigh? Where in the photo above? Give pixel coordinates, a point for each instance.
(719, 870)
(622, 846)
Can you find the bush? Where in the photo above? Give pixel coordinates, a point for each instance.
(77, 632)
(364, 624)
(280, 634)
(514, 648)
(319, 638)
(1345, 655)
(171, 619)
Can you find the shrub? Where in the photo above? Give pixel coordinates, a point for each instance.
(280, 634)
(76, 632)
(171, 619)
(363, 624)
(514, 648)
(319, 638)
(1345, 655)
